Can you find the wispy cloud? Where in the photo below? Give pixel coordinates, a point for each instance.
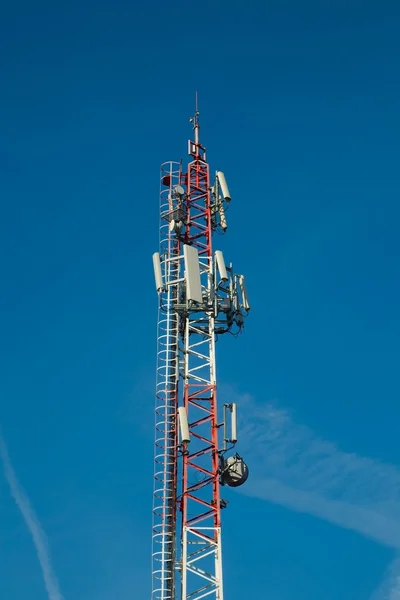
(33, 524)
(291, 466)
(390, 587)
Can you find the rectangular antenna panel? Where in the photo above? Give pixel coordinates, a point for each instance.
(191, 148)
(245, 301)
(224, 186)
(192, 274)
(184, 426)
(221, 265)
(157, 271)
(233, 424)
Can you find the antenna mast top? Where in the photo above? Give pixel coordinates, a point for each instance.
(195, 121)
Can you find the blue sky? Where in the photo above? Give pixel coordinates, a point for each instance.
(299, 107)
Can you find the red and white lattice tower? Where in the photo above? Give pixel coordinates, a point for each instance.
(200, 298)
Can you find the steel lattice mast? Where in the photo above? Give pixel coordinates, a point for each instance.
(200, 298)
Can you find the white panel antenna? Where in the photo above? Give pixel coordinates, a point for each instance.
(221, 265)
(233, 424)
(157, 271)
(192, 274)
(184, 425)
(245, 301)
(224, 186)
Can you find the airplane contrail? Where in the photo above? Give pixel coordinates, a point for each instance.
(291, 466)
(32, 523)
(390, 587)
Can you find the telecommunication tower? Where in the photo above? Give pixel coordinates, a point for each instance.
(200, 298)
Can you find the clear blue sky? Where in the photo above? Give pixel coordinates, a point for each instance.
(300, 108)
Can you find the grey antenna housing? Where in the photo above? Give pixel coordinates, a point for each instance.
(158, 272)
(224, 186)
(192, 274)
(179, 191)
(221, 265)
(235, 472)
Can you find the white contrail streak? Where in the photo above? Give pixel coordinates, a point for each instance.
(32, 522)
(390, 587)
(291, 466)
